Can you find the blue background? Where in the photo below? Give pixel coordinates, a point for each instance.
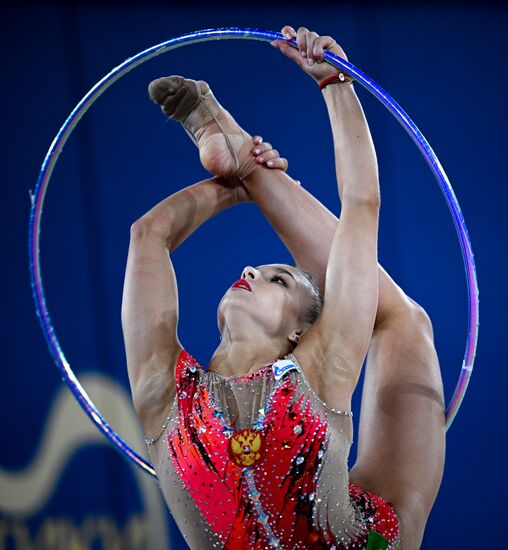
(445, 64)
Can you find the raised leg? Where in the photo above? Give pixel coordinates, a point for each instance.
(401, 441)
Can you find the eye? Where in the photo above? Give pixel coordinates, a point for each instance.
(280, 279)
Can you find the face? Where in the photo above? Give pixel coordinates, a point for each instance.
(268, 298)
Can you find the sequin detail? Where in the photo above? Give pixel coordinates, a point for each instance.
(295, 494)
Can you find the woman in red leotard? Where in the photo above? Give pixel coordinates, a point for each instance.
(252, 452)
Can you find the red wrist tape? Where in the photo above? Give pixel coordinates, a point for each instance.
(338, 78)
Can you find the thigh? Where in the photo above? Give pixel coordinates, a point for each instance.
(401, 441)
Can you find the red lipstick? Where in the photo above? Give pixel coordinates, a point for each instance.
(242, 283)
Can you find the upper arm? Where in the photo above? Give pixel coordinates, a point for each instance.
(335, 346)
(149, 322)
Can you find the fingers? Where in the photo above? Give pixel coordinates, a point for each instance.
(271, 159)
(320, 44)
(259, 146)
(306, 42)
(311, 46)
(266, 155)
(311, 39)
(278, 164)
(301, 40)
(288, 32)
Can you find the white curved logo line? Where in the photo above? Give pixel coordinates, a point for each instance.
(24, 493)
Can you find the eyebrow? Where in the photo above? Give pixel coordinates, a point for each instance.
(282, 270)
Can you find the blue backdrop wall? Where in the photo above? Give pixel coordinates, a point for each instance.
(59, 480)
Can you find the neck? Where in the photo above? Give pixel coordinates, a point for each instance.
(239, 358)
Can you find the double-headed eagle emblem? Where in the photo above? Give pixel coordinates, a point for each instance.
(246, 447)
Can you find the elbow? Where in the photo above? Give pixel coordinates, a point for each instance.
(363, 191)
(149, 226)
(370, 201)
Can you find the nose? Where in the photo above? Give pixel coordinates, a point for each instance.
(250, 273)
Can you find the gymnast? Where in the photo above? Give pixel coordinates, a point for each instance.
(252, 452)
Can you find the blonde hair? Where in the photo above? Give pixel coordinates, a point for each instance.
(312, 312)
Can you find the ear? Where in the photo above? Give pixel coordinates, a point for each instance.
(295, 336)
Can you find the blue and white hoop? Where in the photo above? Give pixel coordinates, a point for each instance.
(223, 34)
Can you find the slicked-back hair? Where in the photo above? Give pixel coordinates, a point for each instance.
(312, 313)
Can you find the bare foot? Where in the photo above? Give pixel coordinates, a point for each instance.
(224, 148)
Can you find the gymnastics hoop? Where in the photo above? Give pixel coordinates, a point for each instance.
(244, 34)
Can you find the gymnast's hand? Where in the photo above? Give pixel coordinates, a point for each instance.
(309, 55)
(266, 156)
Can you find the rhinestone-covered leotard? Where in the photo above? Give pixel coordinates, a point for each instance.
(258, 461)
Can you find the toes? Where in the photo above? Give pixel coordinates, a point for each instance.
(176, 95)
(160, 88)
(174, 102)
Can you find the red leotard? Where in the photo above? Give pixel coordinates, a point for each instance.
(259, 462)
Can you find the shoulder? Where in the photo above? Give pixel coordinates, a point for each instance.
(160, 393)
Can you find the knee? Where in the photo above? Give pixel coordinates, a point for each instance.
(413, 513)
(411, 533)
(419, 317)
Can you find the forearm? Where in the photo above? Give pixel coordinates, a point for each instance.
(355, 157)
(306, 226)
(179, 215)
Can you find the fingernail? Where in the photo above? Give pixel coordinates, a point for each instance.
(261, 159)
(310, 61)
(304, 54)
(288, 36)
(257, 151)
(273, 43)
(270, 163)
